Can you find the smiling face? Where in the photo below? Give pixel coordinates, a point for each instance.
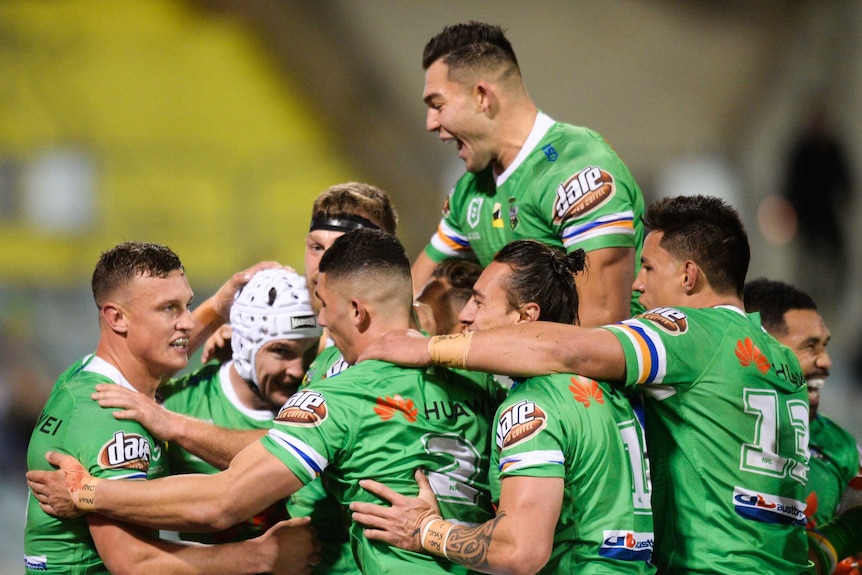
(489, 306)
(455, 113)
(661, 275)
(158, 321)
(807, 336)
(280, 366)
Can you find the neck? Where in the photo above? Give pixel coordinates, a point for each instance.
(244, 392)
(375, 330)
(515, 127)
(705, 299)
(135, 372)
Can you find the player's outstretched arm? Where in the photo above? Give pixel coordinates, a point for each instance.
(254, 480)
(518, 540)
(523, 350)
(421, 271)
(288, 548)
(215, 445)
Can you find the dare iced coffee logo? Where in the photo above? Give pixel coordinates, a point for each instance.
(519, 423)
(126, 450)
(582, 193)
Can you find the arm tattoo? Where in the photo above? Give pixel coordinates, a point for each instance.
(469, 545)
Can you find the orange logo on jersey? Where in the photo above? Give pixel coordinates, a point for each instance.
(749, 354)
(386, 408)
(586, 390)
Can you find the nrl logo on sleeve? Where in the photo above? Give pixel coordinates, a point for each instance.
(305, 408)
(668, 319)
(519, 423)
(584, 192)
(126, 450)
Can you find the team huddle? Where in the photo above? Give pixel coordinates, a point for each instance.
(564, 381)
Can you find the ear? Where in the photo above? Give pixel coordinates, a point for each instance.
(529, 312)
(114, 317)
(691, 277)
(483, 95)
(359, 315)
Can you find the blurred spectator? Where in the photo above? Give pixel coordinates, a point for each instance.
(818, 185)
(24, 387)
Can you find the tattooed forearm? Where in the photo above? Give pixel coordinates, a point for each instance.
(469, 545)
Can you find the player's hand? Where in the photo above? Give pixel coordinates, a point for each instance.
(401, 524)
(223, 298)
(403, 347)
(59, 493)
(217, 346)
(293, 545)
(163, 424)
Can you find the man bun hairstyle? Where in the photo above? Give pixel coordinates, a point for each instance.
(545, 275)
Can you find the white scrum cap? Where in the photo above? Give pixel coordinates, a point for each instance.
(273, 305)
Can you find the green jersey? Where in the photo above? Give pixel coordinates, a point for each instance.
(727, 435)
(566, 188)
(208, 395)
(585, 433)
(327, 516)
(380, 421)
(108, 448)
(834, 464)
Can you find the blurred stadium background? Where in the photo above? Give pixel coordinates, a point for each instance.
(211, 125)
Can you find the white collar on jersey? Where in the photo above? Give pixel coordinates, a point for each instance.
(98, 365)
(233, 398)
(733, 308)
(541, 126)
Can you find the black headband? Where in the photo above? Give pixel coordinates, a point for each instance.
(341, 223)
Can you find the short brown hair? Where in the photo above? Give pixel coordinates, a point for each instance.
(128, 260)
(355, 198)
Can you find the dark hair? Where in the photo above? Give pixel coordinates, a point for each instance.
(122, 263)
(707, 231)
(460, 274)
(365, 251)
(773, 299)
(469, 46)
(357, 199)
(545, 275)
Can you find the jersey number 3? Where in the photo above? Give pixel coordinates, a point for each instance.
(764, 454)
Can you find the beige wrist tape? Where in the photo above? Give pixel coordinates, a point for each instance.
(434, 536)
(86, 495)
(450, 350)
(207, 315)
